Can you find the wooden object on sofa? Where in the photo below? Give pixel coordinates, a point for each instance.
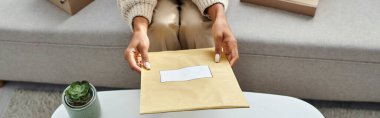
(307, 7)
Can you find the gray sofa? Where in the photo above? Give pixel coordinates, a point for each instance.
(333, 56)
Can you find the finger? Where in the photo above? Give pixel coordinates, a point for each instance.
(218, 47)
(130, 57)
(145, 58)
(229, 57)
(234, 57)
(227, 51)
(217, 57)
(138, 59)
(233, 60)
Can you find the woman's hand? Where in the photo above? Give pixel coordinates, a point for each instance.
(223, 37)
(137, 51)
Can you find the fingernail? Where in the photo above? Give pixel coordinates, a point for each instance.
(217, 58)
(147, 65)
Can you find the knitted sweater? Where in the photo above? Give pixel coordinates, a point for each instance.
(132, 8)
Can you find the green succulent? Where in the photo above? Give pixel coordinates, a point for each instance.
(79, 93)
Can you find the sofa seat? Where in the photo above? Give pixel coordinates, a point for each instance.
(334, 55)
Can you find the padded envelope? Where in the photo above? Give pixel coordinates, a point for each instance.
(219, 92)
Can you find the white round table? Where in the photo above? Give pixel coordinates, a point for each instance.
(125, 104)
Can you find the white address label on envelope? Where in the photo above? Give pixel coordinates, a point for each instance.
(185, 74)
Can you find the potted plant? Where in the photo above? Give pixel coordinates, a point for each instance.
(81, 101)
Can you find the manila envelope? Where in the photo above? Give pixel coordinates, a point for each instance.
(219, 92)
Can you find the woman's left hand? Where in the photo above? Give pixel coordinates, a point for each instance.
(223, 37)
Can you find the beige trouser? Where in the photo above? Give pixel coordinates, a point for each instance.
(178, 24)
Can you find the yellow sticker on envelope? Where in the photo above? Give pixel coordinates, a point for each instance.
(192, 91)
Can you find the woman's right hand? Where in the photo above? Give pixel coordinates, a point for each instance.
(137, 51)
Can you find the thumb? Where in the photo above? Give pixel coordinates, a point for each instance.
(218, 47)
(145, 58)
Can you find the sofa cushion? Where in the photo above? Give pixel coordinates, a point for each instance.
(347, 30)
(39, 21)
